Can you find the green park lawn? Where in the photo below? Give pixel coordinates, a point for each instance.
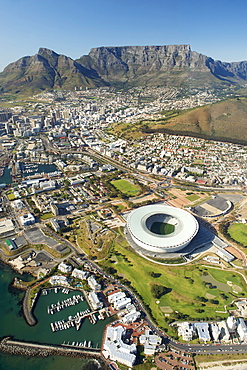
(238, 232)
(192, 197)
(46, 216)
(11, 196)
(185, 284)
(126, 187)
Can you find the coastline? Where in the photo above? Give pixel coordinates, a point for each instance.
(26, 348)
(29, 317)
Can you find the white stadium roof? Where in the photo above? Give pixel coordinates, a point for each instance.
(139, 220)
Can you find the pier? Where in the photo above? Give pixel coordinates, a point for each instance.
(74, 320)
(56, 307)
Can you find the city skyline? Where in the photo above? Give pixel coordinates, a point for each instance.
(75, 27)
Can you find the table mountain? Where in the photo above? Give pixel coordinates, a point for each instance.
(161, 65)
(168, 65)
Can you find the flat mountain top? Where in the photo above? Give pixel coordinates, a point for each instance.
(120, 66)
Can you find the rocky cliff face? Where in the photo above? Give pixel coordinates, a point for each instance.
(148, 58)
(45, 70)
(160, 65)
(166, 65)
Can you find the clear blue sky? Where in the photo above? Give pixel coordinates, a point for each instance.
(216, 28)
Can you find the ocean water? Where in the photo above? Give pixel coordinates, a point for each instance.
(12, 323)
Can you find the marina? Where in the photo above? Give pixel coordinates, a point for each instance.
(30, 169)
(56, 307)
(73, 321)
(1, 171)
(87, 327)
(84, 344)
(5, 175)
(8, 173)
(14, 325)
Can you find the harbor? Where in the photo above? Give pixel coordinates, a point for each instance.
(56, 307)
(26, 170)
(30, 169)
(88, 325)
(63, 342)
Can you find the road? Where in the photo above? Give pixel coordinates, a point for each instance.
(180, 346)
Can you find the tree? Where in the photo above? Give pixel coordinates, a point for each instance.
(201, 299)
(158, 290)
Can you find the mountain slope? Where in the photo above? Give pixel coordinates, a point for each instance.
(161, 65)
(225, 120)
(46, 70)
(168, 65)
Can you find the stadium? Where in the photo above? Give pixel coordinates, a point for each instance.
(161, 229)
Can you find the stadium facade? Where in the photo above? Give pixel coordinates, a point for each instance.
(161, 229)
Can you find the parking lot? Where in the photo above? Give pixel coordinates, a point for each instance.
(35, 236)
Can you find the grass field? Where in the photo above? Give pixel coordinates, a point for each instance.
(162, 228)
(126, 187)
(238, 232)
(192, 197)
(45, 216)
(184, 283)
(219, 357)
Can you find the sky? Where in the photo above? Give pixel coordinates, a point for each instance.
(216, 28)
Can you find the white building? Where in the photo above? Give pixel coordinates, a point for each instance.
(55, 225)
(115, 296)
(231, 324)
(27, 219)
(224, 332)
(131, 316)
(48, 185)
(215, 330)
(140, 225)
(59, 280)
(202, 330)
(6, 226)
(92, 282)
(119, 300)
(242, 330)
(80, 274)
(63, 267)
(150, 342)
(120, 304)
(115, 349)
(242, 306)
(186, 330)
(18, 204)
(94, 300)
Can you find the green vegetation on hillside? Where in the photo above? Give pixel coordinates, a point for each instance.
(213, 121)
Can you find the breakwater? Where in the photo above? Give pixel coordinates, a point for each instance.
(14, 326)
(36, 349)
(28, 314)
